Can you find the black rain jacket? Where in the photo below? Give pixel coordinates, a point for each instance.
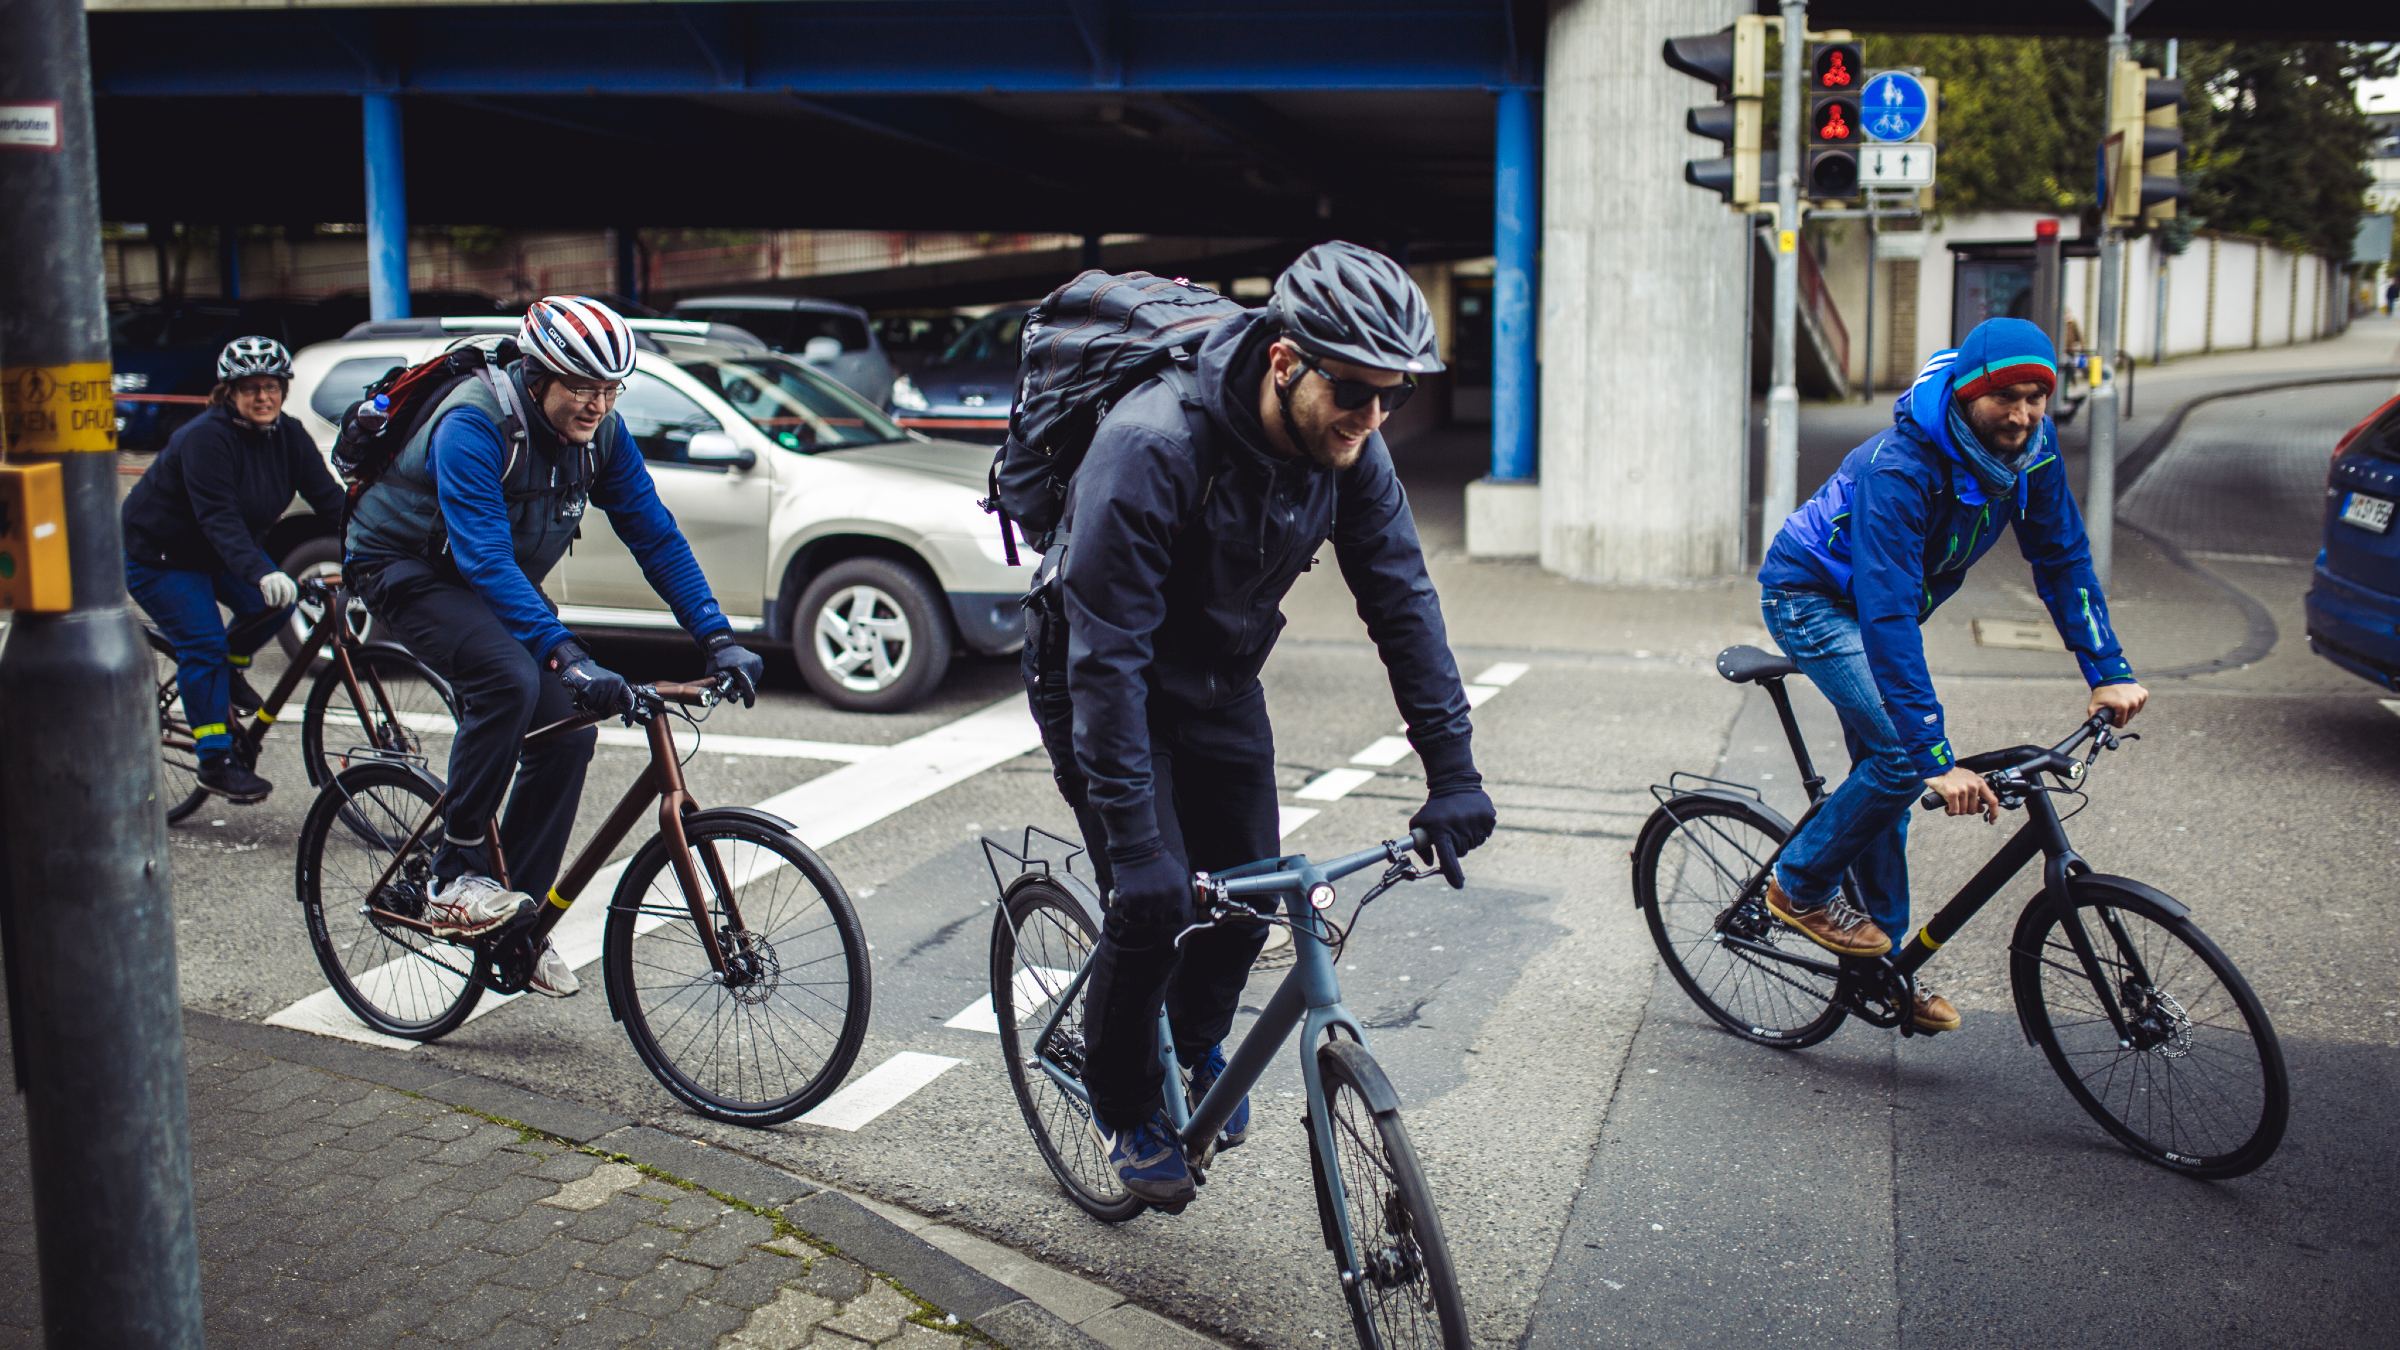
(206, 502)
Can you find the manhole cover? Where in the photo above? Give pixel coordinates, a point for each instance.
(2020, 635)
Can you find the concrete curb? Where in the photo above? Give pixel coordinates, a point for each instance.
(884, 1247)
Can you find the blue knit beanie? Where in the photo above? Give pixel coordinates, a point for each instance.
(2002, 352)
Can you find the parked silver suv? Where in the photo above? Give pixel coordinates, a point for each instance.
(818, 520)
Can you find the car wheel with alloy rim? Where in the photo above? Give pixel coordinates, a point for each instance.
(871, 635)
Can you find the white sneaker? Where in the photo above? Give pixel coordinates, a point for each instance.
(473, 905)
(552, 975)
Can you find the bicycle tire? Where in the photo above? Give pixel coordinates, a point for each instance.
(796, 921)
(1397, 1276)
(1042, 935)
(396, 979)
(1692, 872)
(179, 789)
(414, 714)
(2184, 1051)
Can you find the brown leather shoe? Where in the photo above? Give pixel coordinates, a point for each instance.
(1931, 1013)
(1835, 926)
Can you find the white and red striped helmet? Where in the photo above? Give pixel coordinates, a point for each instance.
(578, 337)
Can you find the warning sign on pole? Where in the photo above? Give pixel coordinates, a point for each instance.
(55, 410)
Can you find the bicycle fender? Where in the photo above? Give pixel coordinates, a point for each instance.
(1081, 890)
(749, 813)
(1372, 1084)
(1664, 818)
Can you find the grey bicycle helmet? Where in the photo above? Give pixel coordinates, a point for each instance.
(1346, 303)
(247, 356)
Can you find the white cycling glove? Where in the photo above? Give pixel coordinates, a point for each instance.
(279, 589)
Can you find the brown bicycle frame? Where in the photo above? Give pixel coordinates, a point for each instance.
(330, 630)
(661, 782)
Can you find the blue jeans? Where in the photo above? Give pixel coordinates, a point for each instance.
(183, 605)
(1863, 827)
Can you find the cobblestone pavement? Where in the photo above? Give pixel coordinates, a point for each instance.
(339, 1210)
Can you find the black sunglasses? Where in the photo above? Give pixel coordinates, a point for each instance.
(1352, 395)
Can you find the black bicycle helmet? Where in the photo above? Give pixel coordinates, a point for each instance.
(1346, 303)
(247, 356)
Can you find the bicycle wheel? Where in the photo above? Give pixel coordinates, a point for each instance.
(179, 787)
(2197, 1083)
(1396, 1273)
(774, 1034)
(402, 708)
(1698, 875)
(398, 979)
(1042, 936)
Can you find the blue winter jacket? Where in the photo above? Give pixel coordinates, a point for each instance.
(1894, 531)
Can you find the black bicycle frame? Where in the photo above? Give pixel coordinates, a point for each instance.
(2042, 833)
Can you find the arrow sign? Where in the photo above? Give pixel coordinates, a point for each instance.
(1892, 107)
(1906, 165)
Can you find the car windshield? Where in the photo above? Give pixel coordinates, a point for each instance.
(993, 338)
(796, 407)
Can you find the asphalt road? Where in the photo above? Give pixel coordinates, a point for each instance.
(1611, 1171)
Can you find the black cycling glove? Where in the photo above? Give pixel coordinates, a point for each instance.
(596, 688)
(727, 657)
(1152, 890)
(1458, 814)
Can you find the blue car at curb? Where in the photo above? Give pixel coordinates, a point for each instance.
(2354, 604)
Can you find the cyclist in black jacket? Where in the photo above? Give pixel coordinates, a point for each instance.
(195, 536)
(1184, 529)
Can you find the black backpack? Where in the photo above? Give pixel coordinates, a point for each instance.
(1092, 342)
(373, 433)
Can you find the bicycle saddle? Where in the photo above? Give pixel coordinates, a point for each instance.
(1745, 664)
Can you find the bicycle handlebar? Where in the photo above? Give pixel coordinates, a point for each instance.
(2100, 728)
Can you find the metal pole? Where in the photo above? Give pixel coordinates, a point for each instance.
(1516, 221)
(1866, 382)
(2100, 490)
(2158, 259)
(1783, 393)
(387, 209)
(97, 1020)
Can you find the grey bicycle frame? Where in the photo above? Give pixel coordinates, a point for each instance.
(1309, 999)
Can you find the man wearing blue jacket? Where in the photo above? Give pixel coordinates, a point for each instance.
(1197, 507)
(449, 547)
(1857, 569)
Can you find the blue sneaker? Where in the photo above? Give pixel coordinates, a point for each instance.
(1149, 1160)
(1204, 1077)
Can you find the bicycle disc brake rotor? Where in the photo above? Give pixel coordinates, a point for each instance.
(1747, 918)
(2156, 1020)
(750, 965)
(405, 895)
(1394, 1262)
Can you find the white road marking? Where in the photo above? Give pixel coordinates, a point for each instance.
(827, 808)
(1503, 674)
(878, 1090)
(1480, 694)
(1031, 987)
(1290, 818)
(1334, 784)
(1385, 752)
(712, 743)
(2391, 705)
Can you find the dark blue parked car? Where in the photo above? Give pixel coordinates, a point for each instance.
(964, 394)
(2354, 606)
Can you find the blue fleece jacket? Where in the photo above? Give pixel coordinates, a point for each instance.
(468, 453)
(1895, 529)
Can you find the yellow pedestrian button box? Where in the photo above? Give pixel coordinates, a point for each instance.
(33, 540)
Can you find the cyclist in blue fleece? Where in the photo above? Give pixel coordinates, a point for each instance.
(450, 546)
(1857, 569)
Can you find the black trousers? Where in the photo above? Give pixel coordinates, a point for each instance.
(1213, 773)
(502, 692)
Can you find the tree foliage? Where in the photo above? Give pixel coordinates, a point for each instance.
(2273, 136)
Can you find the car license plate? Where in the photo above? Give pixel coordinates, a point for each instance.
(2367, 513)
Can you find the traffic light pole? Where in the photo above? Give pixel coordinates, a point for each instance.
(84, 898)
(2100, 486)
(1783, 395)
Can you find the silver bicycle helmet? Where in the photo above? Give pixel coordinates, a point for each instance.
(247, 356)
(1346, 303)
(578, 337)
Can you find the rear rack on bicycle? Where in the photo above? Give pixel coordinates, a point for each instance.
(1022, 855)
(1682, 781)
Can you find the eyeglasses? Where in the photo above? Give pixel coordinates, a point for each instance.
(1352, 395)
(258, 388)
(592, 393)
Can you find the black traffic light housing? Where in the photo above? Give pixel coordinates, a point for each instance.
(1836, 71)
(1734, 63)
